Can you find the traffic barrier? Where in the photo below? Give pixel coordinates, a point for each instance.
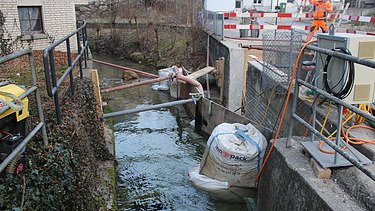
(364, 19)
(271, 27)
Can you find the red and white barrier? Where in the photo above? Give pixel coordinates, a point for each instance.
(264, 15)
(360, 32)
(364, 19)
(272, 27)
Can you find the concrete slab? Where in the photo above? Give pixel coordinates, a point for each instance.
(328, 160)
(289, 183)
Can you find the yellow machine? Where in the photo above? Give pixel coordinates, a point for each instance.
(16, 91)
(13, 124)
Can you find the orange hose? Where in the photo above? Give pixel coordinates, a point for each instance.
(349, 139)
(358, 140)
(321, 143)
(284, 109)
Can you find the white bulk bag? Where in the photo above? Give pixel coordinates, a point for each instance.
(217, 189)
(234, 154)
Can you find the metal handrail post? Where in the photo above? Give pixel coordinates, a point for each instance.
(313, 114)
(69, 57)
(54, 84)
(84, 38)
(222, 27)
(38, 98)
(80, 59)
(294, 108)
(47, 72)
(338, 134)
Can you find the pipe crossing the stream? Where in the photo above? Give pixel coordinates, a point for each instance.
(150, 107)
(150, 75)
(126, 86)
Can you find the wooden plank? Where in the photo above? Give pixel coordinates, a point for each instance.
(201, 72)
(220, 65)
(98, 97)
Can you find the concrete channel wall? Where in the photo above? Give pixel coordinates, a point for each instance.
(288, 183)
(233, 70)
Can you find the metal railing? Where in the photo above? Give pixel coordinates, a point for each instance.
(52, 82)
(41, 125)
(340, 104)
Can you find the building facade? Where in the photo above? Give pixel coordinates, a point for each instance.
(39, 23)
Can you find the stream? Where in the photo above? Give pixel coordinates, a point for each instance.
(153, 149)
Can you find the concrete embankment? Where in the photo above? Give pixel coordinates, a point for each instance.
(289, 183)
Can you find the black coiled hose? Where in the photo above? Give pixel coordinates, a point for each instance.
(346, 89)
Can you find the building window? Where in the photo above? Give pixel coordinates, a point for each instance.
(238, 4)
(257, 1)
(30, 20)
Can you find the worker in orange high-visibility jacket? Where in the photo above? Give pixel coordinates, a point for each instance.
(320, 14)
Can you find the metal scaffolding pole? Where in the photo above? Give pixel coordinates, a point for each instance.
(146, 108)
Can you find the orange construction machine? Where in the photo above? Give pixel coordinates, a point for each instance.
(321, 8)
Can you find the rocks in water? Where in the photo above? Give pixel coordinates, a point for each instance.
(129, 75)
(137, 56)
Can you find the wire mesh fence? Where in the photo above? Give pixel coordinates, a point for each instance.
(267, 81)
(214, 24)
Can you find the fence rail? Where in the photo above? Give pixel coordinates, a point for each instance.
(33, 89)
(52, 82)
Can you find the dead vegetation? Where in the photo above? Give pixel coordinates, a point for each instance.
(63, 176)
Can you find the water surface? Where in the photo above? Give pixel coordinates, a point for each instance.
(154, 151)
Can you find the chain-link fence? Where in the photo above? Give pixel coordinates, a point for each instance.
(214, 24)
(267, 81)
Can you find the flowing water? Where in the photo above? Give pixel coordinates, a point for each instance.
(153, 150)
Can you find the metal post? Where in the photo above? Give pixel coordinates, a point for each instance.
(150, 107)
(68, 53)
(84, 38)
(54, 84)
(313, 115)
(38, 98)
(215, 21)
(222, 28)
(86, 45)
(80, 59)
(294, 102)
(207, 64)
(338, 134)
(47, 73)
